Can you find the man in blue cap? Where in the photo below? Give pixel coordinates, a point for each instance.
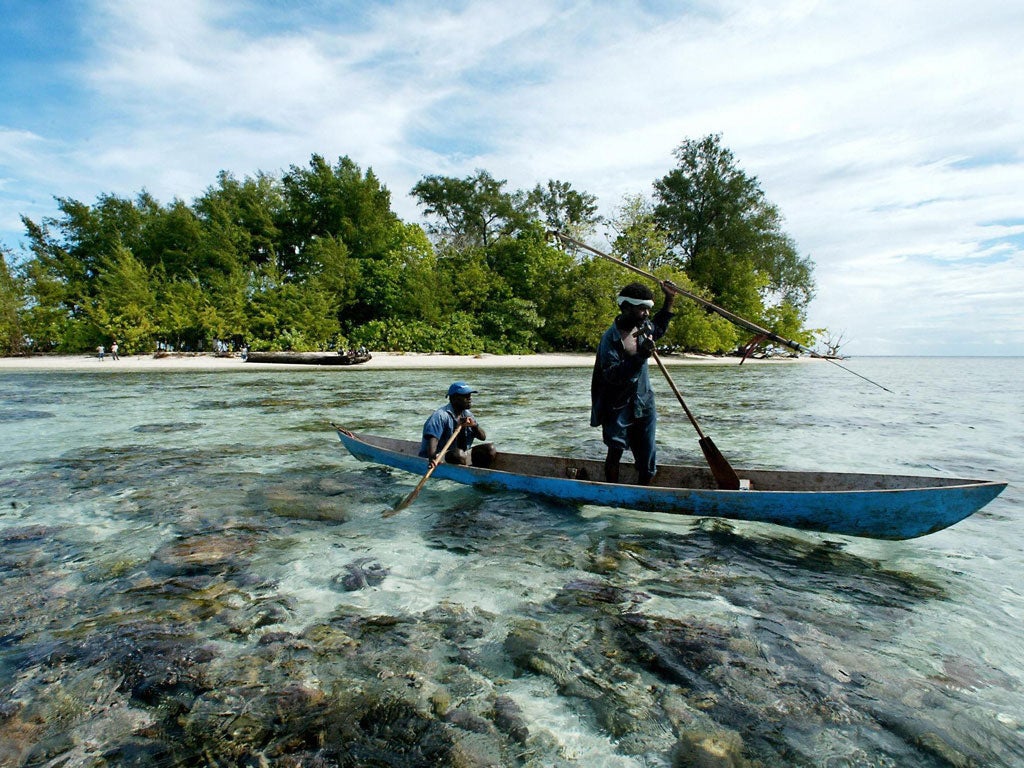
(456, 414)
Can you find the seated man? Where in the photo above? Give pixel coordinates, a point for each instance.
(456, 414)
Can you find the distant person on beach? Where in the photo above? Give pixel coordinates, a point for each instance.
(622, 401)
(456, 414)
(100, 352)
(113, 351)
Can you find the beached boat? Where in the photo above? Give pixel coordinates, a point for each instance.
(874, 506)
(309, 358)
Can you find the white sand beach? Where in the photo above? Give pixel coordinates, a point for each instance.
(380, 361)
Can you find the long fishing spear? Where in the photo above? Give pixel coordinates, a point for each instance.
(731, 317)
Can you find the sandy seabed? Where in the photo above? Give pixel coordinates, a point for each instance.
(380, 361)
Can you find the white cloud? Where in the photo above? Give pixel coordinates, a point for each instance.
(888, 134)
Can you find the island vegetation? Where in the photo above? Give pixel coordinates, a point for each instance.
(315, 259)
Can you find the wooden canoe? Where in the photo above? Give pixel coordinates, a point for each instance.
(308, 358)
(873, 506)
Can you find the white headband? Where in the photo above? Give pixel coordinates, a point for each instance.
(649, 303)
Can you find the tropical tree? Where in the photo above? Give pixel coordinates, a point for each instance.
(57, 283)
(564, 209)
(85, 236)
(285, 314)
(472, 212)
(240, 236)
(171, 240)
(12, 335)
(124, 306)
(335, 201)
(589, 306)
(638, 238)
(240, 222)
(402, 283)
(725, 234)
(537, 278)
(340, 238)
(494, 257)
(693, 329)
(465, 285)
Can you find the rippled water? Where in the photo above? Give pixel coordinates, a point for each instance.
(194, 571)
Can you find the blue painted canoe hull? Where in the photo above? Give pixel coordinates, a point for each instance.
(873, 506)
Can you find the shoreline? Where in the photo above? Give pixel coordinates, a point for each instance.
(379, 361)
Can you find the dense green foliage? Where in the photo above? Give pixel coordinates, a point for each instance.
(728, 239)
(316, 259)
(11, 335)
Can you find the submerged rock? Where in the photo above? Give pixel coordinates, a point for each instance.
(299, 505)
(221, 549)
(721, 749)
(509, 719)
(361, 573)
(591, 591)
(467, 721)
(26, 533)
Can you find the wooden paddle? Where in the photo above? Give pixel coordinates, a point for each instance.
(430, 470)
(722, 470)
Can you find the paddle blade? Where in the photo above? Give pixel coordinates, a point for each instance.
(408, 499)
(412, 496)
(430, 470)
(723, 472)
(402, 504)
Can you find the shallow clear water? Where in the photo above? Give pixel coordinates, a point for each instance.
(178, 548)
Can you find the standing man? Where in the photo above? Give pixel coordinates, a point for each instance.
(622, 401)
(445, 420)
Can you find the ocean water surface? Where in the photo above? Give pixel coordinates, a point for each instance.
(193, 571)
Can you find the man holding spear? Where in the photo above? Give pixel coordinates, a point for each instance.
(622, 401)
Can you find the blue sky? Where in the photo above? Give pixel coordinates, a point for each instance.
(890, 134)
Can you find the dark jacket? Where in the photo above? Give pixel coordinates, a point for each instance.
(620, 379)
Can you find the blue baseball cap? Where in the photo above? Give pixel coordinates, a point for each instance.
(460, 388)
